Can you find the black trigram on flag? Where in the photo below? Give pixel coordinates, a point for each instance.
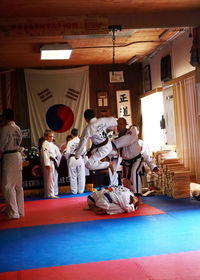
(45, 94)
(72, 94)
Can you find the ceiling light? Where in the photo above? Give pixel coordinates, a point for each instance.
(55, 51)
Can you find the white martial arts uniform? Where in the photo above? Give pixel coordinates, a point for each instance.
(11, 138)
(131, 150)
(146, 159)
(113, 199)
(97, 132)
(115, 158)
(50, 176)
(76, 167)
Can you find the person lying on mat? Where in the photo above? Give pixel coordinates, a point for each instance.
(112, 200)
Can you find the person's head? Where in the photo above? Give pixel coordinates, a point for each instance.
(121, 126)
(49, 135)
(88, 115)
(136, 127)
(8, 114)
(68, 138)
(74, 132)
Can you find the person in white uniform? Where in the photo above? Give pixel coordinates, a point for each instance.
(132, 159)
(146, 159)
(112, 200)
(10, 141)
(50, 160)
(130, 152)
(76, 167)
(96, 130)
(113, 177)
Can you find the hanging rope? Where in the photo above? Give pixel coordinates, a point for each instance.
(114, 28)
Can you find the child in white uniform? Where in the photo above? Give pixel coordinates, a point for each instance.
(50, 160)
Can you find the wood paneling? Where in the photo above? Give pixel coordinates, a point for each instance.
(99, 81)
(25, 26)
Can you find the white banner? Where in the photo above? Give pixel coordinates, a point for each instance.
(124, 105)
(57, 100)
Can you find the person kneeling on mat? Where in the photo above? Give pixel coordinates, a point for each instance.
(112, 200)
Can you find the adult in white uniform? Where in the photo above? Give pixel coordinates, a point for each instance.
(50, 160)
(76, 167)
(112, 200)
(113, 177)
(146, 159)
(10, 141)
(96, 130)
(130, 152)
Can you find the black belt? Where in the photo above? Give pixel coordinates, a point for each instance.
(9, 152)
(101, 144)
(129, 163)
(96, 146)
(91, 198)
(108, 197)
(71, 155)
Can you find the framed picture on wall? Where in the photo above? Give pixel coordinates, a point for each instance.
(147, 78)
(102, 98)
(116, 77)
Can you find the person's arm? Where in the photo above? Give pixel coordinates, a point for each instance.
(126, 139)
(111, 123)
(3, 139)
(81, 146)
(45, 155)
(147, 159)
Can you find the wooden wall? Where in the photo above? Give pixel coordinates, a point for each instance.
(99, 81)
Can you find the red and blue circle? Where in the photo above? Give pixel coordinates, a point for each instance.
(59, 118)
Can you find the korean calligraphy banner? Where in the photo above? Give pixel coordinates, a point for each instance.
(57, 100)
(124, 105)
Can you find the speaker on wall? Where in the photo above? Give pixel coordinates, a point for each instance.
(166, 73)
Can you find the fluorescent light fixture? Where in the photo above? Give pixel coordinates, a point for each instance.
(55, 51)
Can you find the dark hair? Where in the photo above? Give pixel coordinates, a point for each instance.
(8, 114)
(74, 131)
(89, 114)
(68, 137)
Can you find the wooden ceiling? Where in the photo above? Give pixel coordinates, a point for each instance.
(145, 25)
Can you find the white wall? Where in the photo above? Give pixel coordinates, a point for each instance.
(179, 49)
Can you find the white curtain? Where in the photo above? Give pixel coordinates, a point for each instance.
(186, 124)
(57, 100)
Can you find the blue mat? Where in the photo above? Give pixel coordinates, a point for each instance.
(103, 240)
(169, 204)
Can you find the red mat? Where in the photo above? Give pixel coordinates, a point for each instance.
(65, 210)
(180, 266)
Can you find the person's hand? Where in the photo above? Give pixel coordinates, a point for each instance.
(156, 170)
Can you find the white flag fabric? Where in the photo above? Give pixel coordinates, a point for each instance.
(57, 100)
(7, 90)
